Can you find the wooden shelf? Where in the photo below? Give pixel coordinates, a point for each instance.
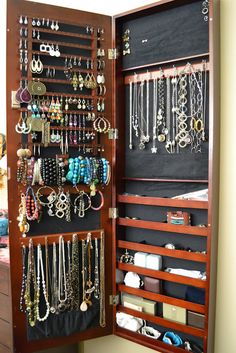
(62, 33)
(158, 180)
(157, 201)
(167, 62)
(74, 69)
(51, 238)
(155, 74)
(63, 44)
(70, 128)
(148, 342)
(163, 322)
(164, 227)
(37, 52)
(163, 275)
(163, 298)
(178, 254)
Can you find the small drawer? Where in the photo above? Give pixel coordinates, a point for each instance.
(4, 280)
(174, 313)
(5, 307)
(196, 319)
(5, 333)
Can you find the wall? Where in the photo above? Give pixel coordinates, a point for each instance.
(226, 292)
(225, 338)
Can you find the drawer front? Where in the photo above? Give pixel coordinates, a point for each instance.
(5, 307)
(4, 280)
(5, 333)
(4, 349)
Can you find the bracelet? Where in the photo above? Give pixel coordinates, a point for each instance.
(101, 204)
(172, 338)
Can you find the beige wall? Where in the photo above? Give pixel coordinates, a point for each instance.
(226, 292)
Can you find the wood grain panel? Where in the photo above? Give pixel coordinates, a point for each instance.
(5, 307)
(4, 280)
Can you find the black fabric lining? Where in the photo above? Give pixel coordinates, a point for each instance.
(170, 34)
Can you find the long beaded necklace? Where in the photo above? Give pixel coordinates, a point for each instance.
(154, 117)
(130, 115)
(41, 278)
(75, 270)
(86, 273)
(24, 279)
(54, 291)
(31, 287)
(68, 276)
(102, 282)
(62, 288)
(161, 125)
(96, 272)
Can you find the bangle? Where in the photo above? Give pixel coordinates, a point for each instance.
(101, 204)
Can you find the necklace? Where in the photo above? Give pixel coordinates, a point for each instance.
(40, 273)
(68, 276)
(135, 119)
(102, 282)
(75, 270)
(31, 287)
(161, 110)
(96, 272)
(62, 288)
(154, 117)
(54, 292)
(130, 115)
(24, 279)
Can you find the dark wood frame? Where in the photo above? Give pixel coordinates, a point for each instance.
(115, 109)
(212, 205)
(30, 9)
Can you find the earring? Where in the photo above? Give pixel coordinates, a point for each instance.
(56, 26)
(57, 52)
(38, 35)
(48, 72)
(53, 137)
(38, 22)
(33, 22)
(21, 20)
(52, 26)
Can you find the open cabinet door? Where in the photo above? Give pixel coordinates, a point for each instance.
(65, 52)
(169, 155)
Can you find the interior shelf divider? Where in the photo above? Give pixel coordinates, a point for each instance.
(149, 342)
(179, 254)
(163, 322)
(163, 275)
(162, 298)
(164, 227)
(158, 201)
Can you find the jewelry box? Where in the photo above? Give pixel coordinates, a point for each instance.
(109, 119)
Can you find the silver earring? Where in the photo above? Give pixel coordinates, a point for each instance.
(21, 20)
(25, 20)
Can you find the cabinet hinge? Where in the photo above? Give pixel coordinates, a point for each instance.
(113, 213)
(113, 299)
(113, 134)
(112, 54)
